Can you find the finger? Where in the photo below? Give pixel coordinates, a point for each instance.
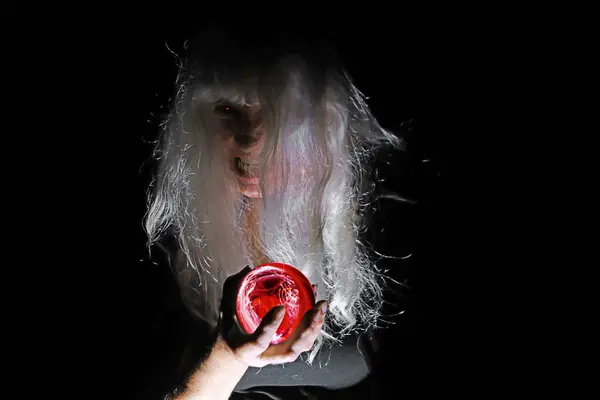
(243, 272)
(236, 333)
(227, 308)
(237, 324)
(268, 326)
(266, 330)
(230, 288)
(302, 340)
(278, 359)
(234, 280)
(303, 337)
(310, 328)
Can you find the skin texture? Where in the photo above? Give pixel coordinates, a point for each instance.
(242, 133)
(234, 351)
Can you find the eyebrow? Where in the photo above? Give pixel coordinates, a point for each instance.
(223, 95)
(231, 102)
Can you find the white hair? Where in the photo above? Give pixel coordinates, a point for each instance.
(321, 136)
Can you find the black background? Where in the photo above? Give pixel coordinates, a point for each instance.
(103, 87)
(398, 81)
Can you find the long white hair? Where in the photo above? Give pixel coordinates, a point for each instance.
(321, 136)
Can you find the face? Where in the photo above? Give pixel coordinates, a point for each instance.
(243, 135)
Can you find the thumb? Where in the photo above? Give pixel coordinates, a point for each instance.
(230, 288)
(240, 275)
(233, 281)
(268, 327)
(228, 320)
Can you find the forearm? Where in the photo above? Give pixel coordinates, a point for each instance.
(216, 377)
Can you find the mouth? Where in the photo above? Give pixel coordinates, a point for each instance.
(246, 172)
(245, 167)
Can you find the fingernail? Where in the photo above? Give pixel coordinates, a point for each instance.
(280, 312)
(324, 308)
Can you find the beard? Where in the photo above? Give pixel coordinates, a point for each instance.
(308, 213)
(222, 230)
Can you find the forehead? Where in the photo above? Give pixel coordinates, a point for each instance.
(243, 94)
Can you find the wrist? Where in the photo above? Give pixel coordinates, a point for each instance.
(217, 376)
(222, 353)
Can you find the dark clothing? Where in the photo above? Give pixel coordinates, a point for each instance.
(337, 367)
(350, 370)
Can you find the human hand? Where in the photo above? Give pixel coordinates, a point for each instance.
(255, 349)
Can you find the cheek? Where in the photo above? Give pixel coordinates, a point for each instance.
(257, 148)
(225, 141)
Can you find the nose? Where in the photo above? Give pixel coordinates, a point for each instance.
(250, 136)
(246, 140)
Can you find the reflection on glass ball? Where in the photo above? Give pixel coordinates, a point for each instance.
(268, 286)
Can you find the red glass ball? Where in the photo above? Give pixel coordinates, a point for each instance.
(268, 286)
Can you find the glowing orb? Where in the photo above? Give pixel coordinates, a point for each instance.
(268, 286)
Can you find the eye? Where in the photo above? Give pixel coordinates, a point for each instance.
(226, 110)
